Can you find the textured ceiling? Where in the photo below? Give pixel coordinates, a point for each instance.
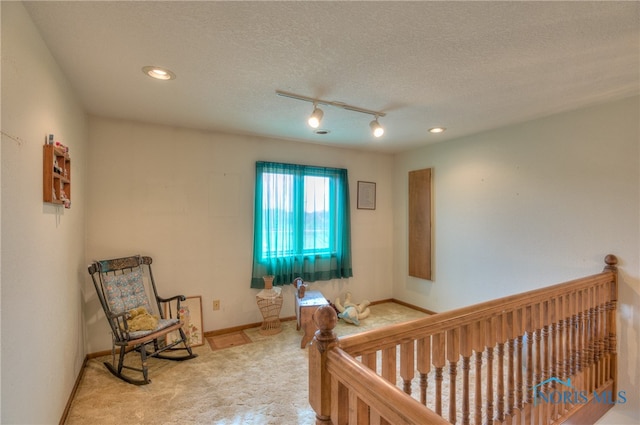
(467, 66)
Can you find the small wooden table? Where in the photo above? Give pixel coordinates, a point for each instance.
(305, 307)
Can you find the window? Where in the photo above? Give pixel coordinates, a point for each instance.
(301, 223)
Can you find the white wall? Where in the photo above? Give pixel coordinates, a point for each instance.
(514, 209)
(43, 267)
(531, 205)
(185, 198)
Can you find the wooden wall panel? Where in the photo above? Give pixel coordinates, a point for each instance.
(420, 223)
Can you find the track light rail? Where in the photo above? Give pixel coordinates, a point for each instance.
(340, 105)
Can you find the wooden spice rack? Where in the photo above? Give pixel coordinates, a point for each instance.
(56, 174)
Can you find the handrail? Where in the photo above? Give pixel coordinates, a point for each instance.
(508, 347)
(441, 322)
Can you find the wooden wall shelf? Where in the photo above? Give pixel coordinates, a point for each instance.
(56, 173)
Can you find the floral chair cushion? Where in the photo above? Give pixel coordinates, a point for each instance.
(126, 291)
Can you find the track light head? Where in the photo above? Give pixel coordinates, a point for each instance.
(316, 117)
(376, 128)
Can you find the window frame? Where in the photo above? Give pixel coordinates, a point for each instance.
(298, 198)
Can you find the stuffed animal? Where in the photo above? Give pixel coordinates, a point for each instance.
(140, 320)
(351, 312)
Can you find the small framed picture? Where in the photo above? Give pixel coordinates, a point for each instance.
(191, 314)
(366, 195)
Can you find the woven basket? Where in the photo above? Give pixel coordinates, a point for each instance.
(270, 309)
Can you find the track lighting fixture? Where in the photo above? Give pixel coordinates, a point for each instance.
(376, 128)
(316, 116)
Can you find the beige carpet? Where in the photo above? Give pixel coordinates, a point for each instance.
(264, 382)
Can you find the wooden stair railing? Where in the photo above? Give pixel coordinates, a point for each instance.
(547, 356)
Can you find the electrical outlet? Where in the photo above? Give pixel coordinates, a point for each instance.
(216, 304)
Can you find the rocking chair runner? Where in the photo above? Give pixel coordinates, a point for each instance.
(120, 287)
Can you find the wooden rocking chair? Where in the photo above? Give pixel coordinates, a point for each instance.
(120, 287)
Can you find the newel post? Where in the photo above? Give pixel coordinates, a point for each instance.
(326, 319)
(611, 262)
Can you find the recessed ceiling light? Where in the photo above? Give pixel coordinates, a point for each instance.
(158, 73)
(437, 130)
(321, 131)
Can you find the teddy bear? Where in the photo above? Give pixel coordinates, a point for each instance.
(351, 312)
(140, 320)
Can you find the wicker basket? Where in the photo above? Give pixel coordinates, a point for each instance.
(270, 308)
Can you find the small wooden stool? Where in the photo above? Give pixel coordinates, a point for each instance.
(305, 307)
